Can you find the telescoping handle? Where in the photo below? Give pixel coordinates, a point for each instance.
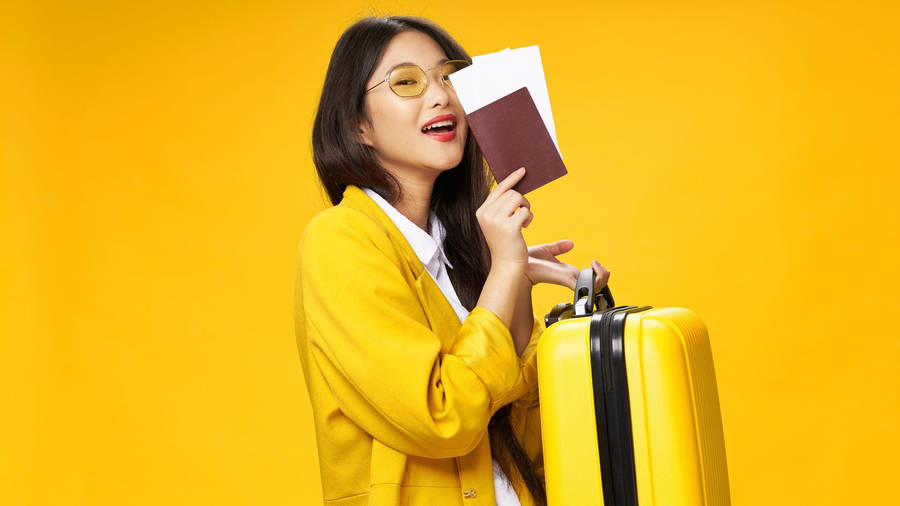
(585, 299)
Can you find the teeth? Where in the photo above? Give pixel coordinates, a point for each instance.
(446, 123)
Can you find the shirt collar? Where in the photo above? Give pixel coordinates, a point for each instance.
(428, 247)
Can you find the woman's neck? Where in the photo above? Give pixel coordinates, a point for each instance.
(415, 199)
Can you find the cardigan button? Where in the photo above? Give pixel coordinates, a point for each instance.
(470, 493)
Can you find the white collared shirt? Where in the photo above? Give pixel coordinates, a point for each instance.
(430, 250)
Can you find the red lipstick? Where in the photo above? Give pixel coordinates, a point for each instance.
(441, 128)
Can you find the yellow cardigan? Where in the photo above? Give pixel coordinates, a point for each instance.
(401, 391)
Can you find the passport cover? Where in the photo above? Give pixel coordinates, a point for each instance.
(512, 134)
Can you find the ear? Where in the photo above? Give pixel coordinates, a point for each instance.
(364, 132)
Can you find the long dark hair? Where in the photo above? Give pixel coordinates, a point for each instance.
(342, 160)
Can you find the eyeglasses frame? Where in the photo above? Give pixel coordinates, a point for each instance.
(387, 78)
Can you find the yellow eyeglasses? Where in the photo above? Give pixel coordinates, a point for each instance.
(409, 80)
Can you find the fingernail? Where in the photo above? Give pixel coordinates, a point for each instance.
(521, 169)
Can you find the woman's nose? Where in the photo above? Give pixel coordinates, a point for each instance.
(440, 94)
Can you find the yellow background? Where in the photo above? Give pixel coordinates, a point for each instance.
(740, 160)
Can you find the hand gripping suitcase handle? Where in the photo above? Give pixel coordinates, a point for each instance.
(585, 299)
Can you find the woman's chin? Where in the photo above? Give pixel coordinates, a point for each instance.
(446, 163)
(444, 167)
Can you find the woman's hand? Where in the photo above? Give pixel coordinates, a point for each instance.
(502, 216)
(544, 267)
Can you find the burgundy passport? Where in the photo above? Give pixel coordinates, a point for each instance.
(512, 134)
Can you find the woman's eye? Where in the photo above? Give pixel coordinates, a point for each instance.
(405, 82)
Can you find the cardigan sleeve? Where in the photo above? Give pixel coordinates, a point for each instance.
(370, 339)
(525, 414)
(529, 366)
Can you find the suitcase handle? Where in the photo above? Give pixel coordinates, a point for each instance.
(585, 299)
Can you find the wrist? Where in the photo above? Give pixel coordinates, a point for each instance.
(508, 268)
(528, 274)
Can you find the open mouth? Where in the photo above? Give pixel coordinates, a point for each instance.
(443, 130)
(440, 127)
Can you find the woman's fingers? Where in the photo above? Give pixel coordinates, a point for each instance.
(510, 202)
(601, 275)
(549, 271)
(529, 220)
(544, 267)
(505, 208)
(560, 247)
(507, 183)
(563, 275)
(522, 217)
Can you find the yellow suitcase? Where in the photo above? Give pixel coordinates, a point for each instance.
(629, 405)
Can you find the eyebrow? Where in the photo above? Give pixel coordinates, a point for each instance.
(442, 60)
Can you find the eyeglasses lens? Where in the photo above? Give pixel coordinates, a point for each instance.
(409, 80)
(450, 67)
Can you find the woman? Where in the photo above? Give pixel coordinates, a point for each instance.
(414, 321)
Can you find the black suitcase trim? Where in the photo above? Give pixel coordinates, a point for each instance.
(611, 405)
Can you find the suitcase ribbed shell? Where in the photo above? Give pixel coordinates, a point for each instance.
(679, 447)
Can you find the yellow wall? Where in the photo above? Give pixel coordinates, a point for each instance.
(739, 160)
